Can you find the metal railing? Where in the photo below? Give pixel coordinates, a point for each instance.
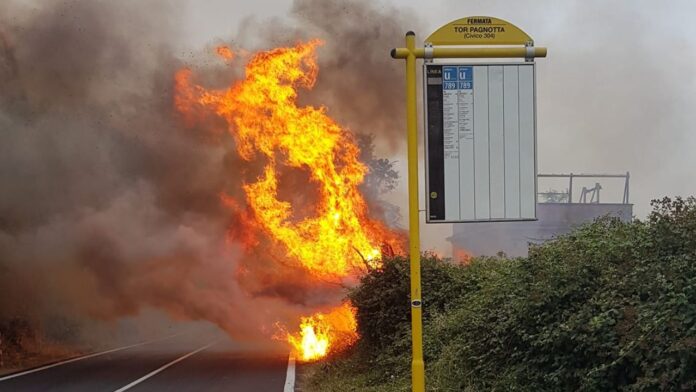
(593, 192)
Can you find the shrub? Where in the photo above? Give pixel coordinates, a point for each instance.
(608, 307)
(611, 306)
(383, 297)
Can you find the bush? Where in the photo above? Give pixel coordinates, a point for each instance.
(383, 299)
(609, 307)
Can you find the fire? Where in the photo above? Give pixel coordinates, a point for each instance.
(225, 52)
(263, 117)
(324, 331)
(338, 239)
(462, 256)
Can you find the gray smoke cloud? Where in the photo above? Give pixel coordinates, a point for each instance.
(111, 206)
(108, 205)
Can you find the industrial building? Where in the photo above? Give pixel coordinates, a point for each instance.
(558, 212)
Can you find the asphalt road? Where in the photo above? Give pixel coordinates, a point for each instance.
(186, 362)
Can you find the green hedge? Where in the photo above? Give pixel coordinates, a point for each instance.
(611, 306)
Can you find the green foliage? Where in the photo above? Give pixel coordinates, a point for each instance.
(380, 361)
(382, 299)
(609, 307)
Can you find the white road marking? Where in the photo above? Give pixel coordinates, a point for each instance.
(38, 369)
(290, 375)
(154, 372)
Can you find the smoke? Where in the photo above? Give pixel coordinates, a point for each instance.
(359, 83)
(110, 205)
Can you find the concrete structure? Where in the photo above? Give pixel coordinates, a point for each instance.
(554, 218)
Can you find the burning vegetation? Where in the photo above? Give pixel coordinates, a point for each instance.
(335, 238)
(256, 210)
(322, 333)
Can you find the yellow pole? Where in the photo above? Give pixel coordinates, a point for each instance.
(503, 52)
(417, 364)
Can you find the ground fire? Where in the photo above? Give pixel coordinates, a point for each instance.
(323, 332)
(338, 239)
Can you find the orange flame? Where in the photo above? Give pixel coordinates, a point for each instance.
(264, 118)
(462, 256)
(225, 52)
(323, 332)
(338, 239)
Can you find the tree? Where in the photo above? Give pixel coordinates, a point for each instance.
(382, 177)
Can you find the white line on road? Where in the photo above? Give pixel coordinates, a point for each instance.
(145, 377)
(113, 350)
(290, 375)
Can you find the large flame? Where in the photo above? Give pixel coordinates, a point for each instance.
(262, 114)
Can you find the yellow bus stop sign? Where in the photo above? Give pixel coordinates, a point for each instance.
(474, 30)
(479, 30)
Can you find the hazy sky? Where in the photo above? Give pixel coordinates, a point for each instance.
(617, 92)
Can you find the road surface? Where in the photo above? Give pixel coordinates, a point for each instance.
(185, 362)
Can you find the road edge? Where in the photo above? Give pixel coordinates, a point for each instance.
(290, 375)
(78, 358)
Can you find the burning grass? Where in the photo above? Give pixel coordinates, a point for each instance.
(322, 333)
